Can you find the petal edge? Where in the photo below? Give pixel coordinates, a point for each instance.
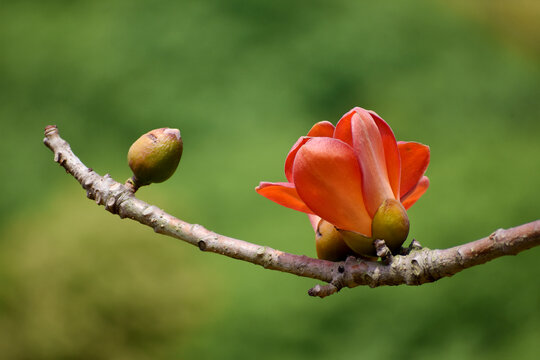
(414, 162)
(283, 194)
(391, 153)
(412, 196)
(322, 129)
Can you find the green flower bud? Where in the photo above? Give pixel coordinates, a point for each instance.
(329, 243)
(391, 224)
(154, 157)
(361, 244)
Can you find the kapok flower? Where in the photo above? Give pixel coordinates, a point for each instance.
(356, 177)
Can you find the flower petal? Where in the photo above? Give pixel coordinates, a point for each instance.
(283, 194)
(322, 129)
(414, 162)
(328, 179)
(289, 161)
(358, 129)
(391, 152)
(412, 196)
(314, 221)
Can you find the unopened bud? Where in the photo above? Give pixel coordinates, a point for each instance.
(154, 157)
(329, 243)
(361, 244)
(391, 224)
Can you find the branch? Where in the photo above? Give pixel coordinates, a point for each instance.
(415, 267)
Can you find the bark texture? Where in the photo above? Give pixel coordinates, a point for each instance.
(416, 266)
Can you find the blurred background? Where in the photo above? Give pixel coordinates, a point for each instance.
(243, 80)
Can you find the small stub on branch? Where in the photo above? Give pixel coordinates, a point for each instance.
(50, 129)
(323, 291)
(383, 251)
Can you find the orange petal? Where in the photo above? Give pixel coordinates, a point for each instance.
(391, 153)
(358, 129)
(414, 162)
(410, 198)
(283, 194)
(289, 161)
(322, 129)
(328, 178)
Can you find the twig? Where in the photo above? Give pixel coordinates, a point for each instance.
(418, 266)
(383, 251)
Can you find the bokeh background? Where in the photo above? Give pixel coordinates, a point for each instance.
(243, 80)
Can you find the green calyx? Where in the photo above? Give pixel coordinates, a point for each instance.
(329, 243)
(154, 157)
(390, 223)
(360, 244)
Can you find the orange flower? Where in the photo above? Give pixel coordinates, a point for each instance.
(345, 174)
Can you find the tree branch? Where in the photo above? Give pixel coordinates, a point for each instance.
(415, 267)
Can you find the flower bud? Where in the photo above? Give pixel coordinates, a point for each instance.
(361, 244)
(154, 157)
(329, 243)
(391, 224)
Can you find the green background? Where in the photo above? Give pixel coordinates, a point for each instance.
(243, 80)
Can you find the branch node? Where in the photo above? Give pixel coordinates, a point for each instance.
(87, 182)
(148, 211)
(201, 244)
(110, 205)
(261, 250)
(383, 251)
(495, 235)
(131, 186)
(115, 187)
(323, 291)
(98, 198)
(413, 246)
(50, 130)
